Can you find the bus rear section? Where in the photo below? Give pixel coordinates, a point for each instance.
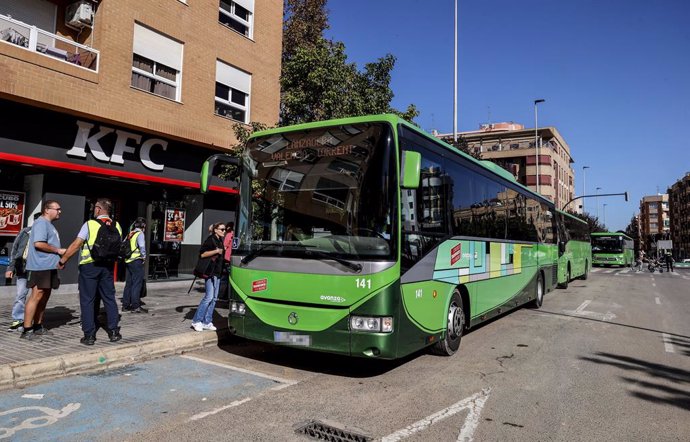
(609, 249)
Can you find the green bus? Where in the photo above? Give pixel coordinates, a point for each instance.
(612, 248)
(368, 237)
(574, 249)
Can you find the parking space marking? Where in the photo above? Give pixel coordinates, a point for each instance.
(474, 404)
(658, 301)
(285, 382)
(668, 346)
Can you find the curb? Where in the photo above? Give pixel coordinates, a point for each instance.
(22, 374)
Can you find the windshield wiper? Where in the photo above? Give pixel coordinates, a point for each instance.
(257, 252)
(356, 267)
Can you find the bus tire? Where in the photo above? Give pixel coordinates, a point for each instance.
(450, 343)
(586, 274)
(564, 285)
(539, 292)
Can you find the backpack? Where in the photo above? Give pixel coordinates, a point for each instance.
(126, 247)
(106, 247)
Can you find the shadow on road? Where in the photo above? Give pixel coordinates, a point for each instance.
(656, 390)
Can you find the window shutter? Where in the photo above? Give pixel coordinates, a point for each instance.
(157, 47)
(233, 77)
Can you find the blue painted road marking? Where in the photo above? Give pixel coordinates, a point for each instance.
(124, 401)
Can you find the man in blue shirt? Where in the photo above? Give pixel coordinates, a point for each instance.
(131, 298)
(41, 263)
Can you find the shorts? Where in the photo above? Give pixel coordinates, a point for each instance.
(44, 279)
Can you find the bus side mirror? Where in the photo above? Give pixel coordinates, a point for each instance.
(411, 169)
(210, 164)
(561, 247)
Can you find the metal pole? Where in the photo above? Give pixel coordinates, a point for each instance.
(536, 136)
(584, 185)
(455, 77)
(605, 215)
(597, 201)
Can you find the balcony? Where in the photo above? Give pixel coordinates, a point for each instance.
(50, 45)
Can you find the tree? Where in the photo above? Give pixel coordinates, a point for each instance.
(462, 145)
(592, 221)
(633, 229)
(317, 82)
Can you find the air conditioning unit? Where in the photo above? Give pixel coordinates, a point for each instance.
(79, 15)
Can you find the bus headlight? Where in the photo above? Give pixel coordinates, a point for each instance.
(238, 307)
(371, 324)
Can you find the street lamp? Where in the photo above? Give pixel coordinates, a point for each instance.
(536, 136)
(605, 216)
(584, 185)
(597, 201)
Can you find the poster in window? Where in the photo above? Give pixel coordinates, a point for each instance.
(174, 225)
(11, 212)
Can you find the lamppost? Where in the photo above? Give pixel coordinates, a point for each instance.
(605, 216)
(584, 185)
(455, 74)
(597, 201)
(536, 136)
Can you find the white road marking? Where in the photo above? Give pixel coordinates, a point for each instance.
(582, 306)
(474, 404)
(667, 343)
(218, 410)
(654, 284)
(32, 396)
(51, 416)
(285, 382)
(658, 301)
(580, 311)
(608, 271)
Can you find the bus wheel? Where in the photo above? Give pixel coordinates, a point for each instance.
(586, 274)
(567, 280)
(539, 295)
(456, 325)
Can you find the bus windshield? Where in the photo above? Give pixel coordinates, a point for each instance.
(607, 244)
(326, 190)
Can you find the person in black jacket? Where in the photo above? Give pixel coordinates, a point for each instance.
(212, 251)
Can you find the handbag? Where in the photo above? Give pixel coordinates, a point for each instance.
(204, 267)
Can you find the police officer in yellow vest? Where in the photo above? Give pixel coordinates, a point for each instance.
(131, 299)
(95, 278)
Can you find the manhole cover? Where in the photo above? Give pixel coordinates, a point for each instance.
(330, 432)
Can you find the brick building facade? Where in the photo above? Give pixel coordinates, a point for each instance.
(679, 207)
(125, 99)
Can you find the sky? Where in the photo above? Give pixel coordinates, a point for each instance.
(615, 75)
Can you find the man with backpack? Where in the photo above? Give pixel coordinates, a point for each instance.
(17, 267)
(134, 253)
(100, 243)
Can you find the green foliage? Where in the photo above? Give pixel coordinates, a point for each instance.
(462, 145)
(632, 230)
(592, 221)
(318, 83)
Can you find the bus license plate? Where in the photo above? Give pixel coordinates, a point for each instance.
(292, 338)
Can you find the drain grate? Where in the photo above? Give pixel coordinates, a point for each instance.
(329, 432)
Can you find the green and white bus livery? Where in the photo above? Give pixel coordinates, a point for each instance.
(574, 249)
(612, 248)
(368, 237)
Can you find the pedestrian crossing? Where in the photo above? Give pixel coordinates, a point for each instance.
(627, 271)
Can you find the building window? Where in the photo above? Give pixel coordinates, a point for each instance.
(233, 87)
(237, 15)
(156, 63)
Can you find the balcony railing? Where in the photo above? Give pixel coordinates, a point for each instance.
(34, 39)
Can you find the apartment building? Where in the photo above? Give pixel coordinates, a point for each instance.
(655, 223)
(512, 146)
(125, 99)
(679, 209)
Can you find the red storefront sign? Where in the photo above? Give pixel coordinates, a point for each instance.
(11, 212)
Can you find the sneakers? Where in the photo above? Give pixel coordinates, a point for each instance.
(139, 310)
(114, 334)
(198, 326)
(42, 331)
(88, 340)
(209, 326)
(29, 336)
(16, 325)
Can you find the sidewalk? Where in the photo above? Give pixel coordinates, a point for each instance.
(164, 330)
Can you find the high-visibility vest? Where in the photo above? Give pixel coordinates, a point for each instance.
(136, 253)
(93, 227)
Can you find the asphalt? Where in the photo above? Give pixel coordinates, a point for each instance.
(165, 330)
